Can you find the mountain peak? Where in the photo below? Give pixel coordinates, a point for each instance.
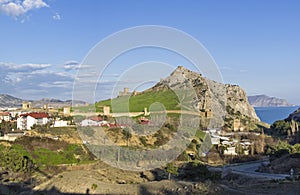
(211, 95)
(266, 101)
(180, 70)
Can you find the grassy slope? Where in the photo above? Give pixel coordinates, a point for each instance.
(137, 103)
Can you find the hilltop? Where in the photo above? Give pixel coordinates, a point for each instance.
(294, 116)
(266, 101)
(8, 101)
(188, 90)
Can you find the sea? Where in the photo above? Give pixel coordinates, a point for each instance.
(271, 114)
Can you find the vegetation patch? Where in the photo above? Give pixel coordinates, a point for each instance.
(137, 103)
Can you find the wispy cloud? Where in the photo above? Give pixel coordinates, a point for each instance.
(230, 69)
(17, 8)
(56, 16)
(35, 80)
(225, 68)
(12, 67)
(71, 65)
(57, 84)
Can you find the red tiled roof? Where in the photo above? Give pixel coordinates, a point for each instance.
(36, 115)
(96, 118)
(4, 113)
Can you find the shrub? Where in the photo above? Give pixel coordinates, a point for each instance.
(143, 140)
(171, 169)
(16, 159)
(94, 186)
(183, 157)
(280, 127)
(195, 171)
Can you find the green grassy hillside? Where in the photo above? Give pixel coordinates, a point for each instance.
(137, 103)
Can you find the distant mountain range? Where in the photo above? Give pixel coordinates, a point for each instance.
(8, 101)
(266, 101)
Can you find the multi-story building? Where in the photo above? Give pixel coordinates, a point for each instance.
(26, 121)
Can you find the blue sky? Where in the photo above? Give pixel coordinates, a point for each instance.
(254, 43)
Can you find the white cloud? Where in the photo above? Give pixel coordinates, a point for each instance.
(225, 68)
(11, 67)
(230, 69)
(17, 8)
(33, 80)
(110, 75)
(33, 66)
(56, 84)
(33, 4)
(71, 65)
(56, 16)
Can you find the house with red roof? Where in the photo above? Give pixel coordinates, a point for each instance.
(93, 121)
(5, 116)
(26, 121)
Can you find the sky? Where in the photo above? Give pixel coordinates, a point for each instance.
(43, 43)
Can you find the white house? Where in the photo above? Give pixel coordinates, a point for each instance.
(230, 151)
(12, 136)
(89, 122)
(5, 116)
(215, 140)
(60, 123)
(26, 121)
(93, 121)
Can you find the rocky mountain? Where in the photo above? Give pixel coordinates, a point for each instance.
(56, 103)
(8, 101)
(224, 102)
(266, 101)
(294, 116)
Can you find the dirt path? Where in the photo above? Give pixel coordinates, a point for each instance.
(249, 169)
(82, 182)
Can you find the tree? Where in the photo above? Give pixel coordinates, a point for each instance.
(127, 134)
(263, 142)
(239, 149)
(280, 127)
(171, 169)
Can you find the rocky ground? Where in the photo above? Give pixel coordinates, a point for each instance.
(236, 184)
(99, 178)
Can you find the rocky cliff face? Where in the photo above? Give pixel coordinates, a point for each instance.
(294, 116)
(237, 100)
(266, 101)
(225, 102)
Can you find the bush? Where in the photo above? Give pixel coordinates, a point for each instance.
(160, 139)
(296, 148)
(94, 186)
(280, 127)
(183, 157)
(283, 148)
(45, 156)
(278, 154)
(195, 171)
(171, 170)
(16, 159)
(143, 140)
(170, 127)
